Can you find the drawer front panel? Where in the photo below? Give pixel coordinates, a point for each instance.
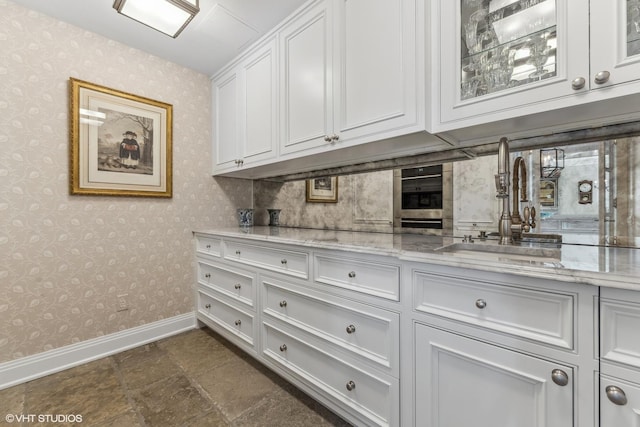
(372, 396)
(293, 263)
(620, 338)
(373, 278)
(235, 284)
(236, 321)
(209, 245)
(540, 316)
(367, 331)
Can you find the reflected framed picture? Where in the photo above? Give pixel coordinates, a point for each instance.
(322, 190)
(121, 144)
(549, 193)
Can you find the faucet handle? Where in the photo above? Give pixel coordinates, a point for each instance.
(526, 214)
(533, 217)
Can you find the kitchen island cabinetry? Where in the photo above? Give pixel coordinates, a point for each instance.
(620, 357)
(557, 64)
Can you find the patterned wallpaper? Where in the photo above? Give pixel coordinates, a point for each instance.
(64, 259)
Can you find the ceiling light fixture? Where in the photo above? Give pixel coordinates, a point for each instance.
(167, 16)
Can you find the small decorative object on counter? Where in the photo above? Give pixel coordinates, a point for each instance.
(274, 217)
(245, 217)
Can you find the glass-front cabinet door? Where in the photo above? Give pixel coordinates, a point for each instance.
(615, 42)
(497, 55)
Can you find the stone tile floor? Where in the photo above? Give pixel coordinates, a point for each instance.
(193, 379)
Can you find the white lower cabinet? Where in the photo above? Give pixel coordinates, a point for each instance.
(466, 382)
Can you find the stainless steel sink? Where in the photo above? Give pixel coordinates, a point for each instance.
(520, 252)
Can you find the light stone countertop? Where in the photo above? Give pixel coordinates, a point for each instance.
(594, 265)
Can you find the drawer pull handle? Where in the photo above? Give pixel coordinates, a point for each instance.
(238, 322)
(283, 261)
(208, 246)
(560, 377)
(283, 303)
(207, 275)
(237, 286)
(207, 306)
(480, 303)
(351, 385)
(238, 253)
(616, 395)
(283, 347)
(351, 329)
(352, 274)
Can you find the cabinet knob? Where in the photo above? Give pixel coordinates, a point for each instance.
(283, 261)
(602, 77)
(578, 83)
(208, 246)
(237, 286)
(335, 137)
(480, 303)
(351, 329)
(616, 395)
(283, 303)
(352, 274)
(238, 253)
(207, 275)
(238, 322)
(351, 385)
(560, 377)
(327, 138)
(283, 347)
(207, 306)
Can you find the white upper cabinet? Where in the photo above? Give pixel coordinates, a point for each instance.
(348, 70)
(564, 61)
(245, 100)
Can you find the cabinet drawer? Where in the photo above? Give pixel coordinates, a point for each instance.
(620, 323)
(233, 320)
(364, 330)
(374, 278)
(620, 413)
(374, 397)
(235, 284)
(209, 245)
(289, 262)
(540, 316)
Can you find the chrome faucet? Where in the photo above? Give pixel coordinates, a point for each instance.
(502, 187)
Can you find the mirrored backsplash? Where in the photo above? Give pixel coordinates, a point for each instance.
(586, 192)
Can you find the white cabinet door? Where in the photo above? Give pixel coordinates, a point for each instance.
(374, 66)
(619, 402)
(260, 100)
(226, 147)
(615, 42)
(498, 60)
(463, 382)
(305, 70)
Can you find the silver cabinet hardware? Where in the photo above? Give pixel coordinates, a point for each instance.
(283, 303)
(283, 261)
(238, 253)
(335, 137)
(560, 377)
(283, 347)
(351, 385)
(207, 275)
(616, 395)
(237, 286)
(578, 83)
(351, 329)
(602, 77)
(480, 303)
(238, 322)
(327, 138)
(208, 246)
(207, 306)
(352, 274)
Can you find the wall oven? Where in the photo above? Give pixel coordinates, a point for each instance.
(422, 196)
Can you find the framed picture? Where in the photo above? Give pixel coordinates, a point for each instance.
(121, 144)
(322, 190)
(549, 193)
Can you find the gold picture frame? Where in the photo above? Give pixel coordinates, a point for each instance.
(121, 144)
(322, 190)
(549, 193)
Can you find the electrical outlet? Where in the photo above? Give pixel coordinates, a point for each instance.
(123, 302)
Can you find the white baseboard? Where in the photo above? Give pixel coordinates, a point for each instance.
(39, 365)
